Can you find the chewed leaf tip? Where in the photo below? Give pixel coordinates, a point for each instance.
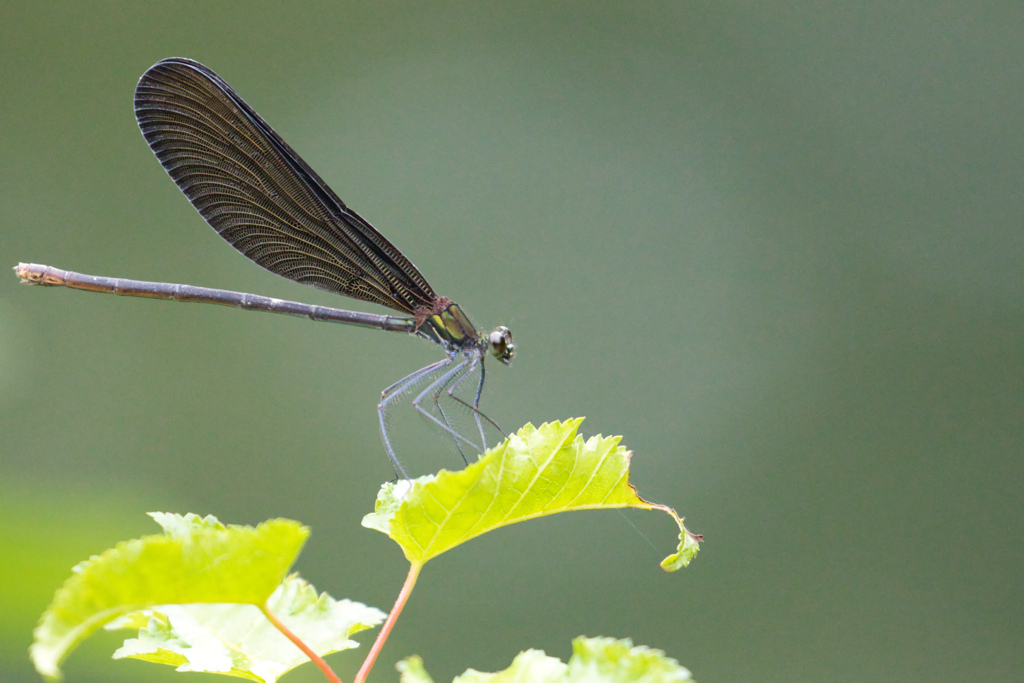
(689, 545)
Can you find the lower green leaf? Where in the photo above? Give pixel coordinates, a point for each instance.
(196, 560)
(237, 640)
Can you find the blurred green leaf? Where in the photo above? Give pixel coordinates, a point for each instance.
(594, 660)
(535, 472)
(611, 659)
(237, 640)
(530, 665)
(411, 670)
(198, 559)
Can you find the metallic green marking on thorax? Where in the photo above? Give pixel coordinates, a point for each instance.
(450, 327)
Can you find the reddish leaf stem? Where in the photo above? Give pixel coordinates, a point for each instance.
(314, 657)
(378, 645)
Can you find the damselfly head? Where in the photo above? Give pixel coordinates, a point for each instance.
(502, 347)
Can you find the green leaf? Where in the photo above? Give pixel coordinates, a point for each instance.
(237, 640)
(535, 472)
(612, 660)
(594, 660)
(530, 666)
(411, 670)
(197, 559)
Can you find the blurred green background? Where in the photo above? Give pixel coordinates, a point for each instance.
(779, 249)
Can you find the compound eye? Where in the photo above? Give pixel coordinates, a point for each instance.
(502, 347)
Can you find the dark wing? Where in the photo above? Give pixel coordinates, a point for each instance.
(256, 192)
